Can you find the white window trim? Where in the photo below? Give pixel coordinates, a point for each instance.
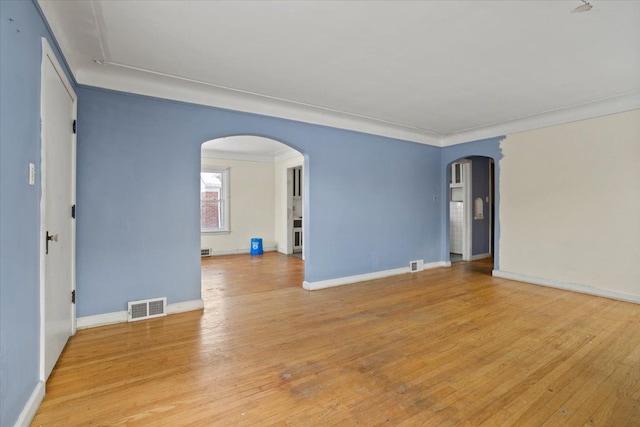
(226, 229)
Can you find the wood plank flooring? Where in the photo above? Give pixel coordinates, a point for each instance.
(445, 347)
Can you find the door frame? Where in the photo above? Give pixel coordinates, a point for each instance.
(48, 55)
(492, 187)
(467, 233)
(466, 171)
(289, 211)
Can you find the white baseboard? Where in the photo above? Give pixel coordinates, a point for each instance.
(121, 316)
(575, 287)
(179, 307)
(101, 319)
(30, 409)
(480, 256)
(436, 264)
(240, 251)
(340, 281)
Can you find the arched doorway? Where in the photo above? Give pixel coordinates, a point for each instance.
(470, 208)
(246, 194)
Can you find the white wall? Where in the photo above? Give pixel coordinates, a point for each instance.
(570, 204)
(251, 190)
(282, 213)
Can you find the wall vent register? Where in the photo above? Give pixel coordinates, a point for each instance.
(147, 309)
(415, 266)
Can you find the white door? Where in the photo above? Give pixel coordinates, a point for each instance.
(58, 194)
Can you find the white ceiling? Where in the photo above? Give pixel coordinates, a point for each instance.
(432, 71)
(246, 147)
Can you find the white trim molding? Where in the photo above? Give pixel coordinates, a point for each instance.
(480, 256)
(121, 316)
(340, 281)
(147, 83)
(574, 287)
(249, 157)
(181, 307)
(287, 155)
(572, 113)
(101, 319)
(32, 405)
(243, 157)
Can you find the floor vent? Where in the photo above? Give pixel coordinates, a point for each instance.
(146, 309)
(415, 266)
(205, 252)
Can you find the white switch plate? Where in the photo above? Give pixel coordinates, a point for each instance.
(32, 174)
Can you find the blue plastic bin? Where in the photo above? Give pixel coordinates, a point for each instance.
(256, 246)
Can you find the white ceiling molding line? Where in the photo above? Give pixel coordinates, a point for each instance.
(141, 82)
(604, 107)
(280, 157)
(166, 87)
(243, 157)
(99, 23)
(247, 157)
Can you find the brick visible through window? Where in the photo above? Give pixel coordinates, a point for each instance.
(212, 200)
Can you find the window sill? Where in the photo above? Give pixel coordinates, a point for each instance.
(213, 233)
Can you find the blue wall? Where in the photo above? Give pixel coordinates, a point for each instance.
(484, 148)
(480, 187)
(21, 29)
(370, 199)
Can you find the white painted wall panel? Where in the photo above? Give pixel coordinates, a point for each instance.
(570, 203)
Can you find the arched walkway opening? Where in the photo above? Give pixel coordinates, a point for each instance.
(470, 210)
(251, 207)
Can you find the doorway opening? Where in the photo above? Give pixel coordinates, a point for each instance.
(295, 210)
(251, 201)
(471, 194)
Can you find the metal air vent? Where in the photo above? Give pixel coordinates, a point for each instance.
(415, 266)
(146, 309)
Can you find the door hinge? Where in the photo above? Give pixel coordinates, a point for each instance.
(73, 296)
(73, 211)
(74, 126)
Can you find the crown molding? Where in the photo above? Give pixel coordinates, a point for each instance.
(158, 85)
(289, 154)
(248, 157)
(617, 104)
(244, 157)
(146, 83)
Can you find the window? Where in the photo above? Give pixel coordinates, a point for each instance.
(456, 174)
(214, 200)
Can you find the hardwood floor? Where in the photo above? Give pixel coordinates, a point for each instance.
(451, 347)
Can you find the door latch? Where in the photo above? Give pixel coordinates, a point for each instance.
(50, 237)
